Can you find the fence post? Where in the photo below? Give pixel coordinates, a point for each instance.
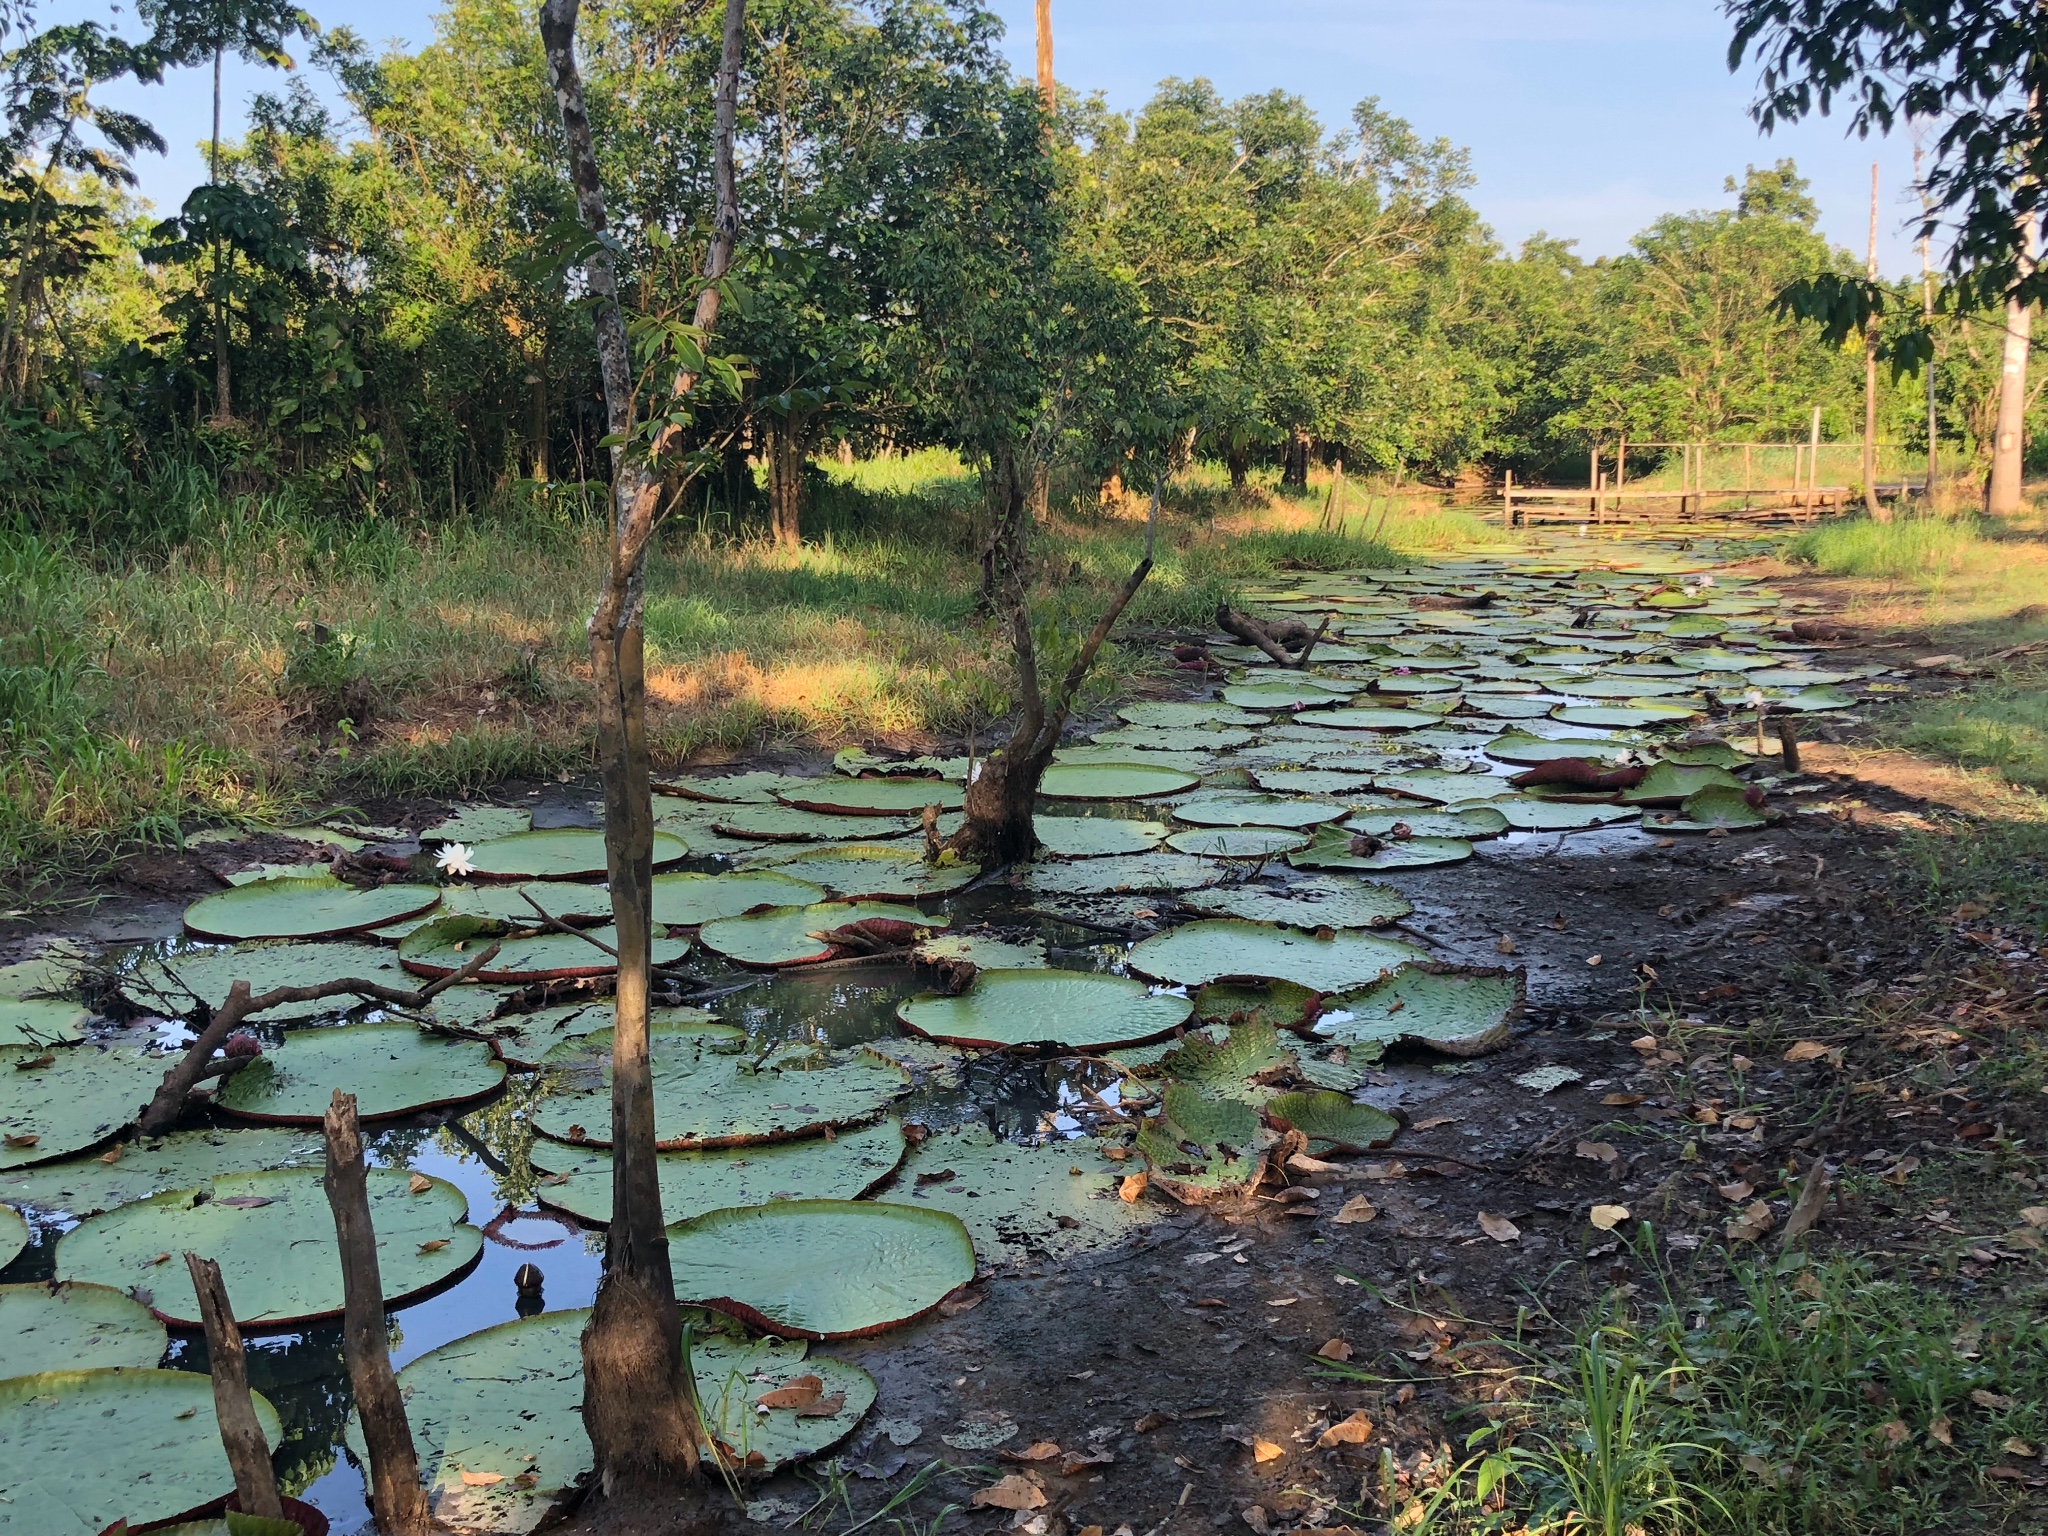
(1507, 499)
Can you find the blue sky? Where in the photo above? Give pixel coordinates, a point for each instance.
(1585, 118)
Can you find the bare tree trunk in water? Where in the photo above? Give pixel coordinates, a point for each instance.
(786, 479)
(2008, 444)
(638, 1396)
(1295, 475)
(1002, 790)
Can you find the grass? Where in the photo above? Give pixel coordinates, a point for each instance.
(258, 656)
(2000, 725)
(1928, 571)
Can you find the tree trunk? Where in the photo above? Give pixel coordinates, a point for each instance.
(396, 1496)
(537, 424)
(638, 1394)
(1240, 462)
(2008, 443)
(1003, 557)
(1295, 476)
(1871, 503)
(786, 479)
(241, 1435)
(223, 394)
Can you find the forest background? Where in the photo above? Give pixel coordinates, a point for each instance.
(300, 484)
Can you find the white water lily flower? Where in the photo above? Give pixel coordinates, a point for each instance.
(455, 859)
(1754, 698)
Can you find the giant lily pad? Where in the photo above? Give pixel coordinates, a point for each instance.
(1624, 716)
(844, 1167)
(1217, 947)
(1288, 696)
(1092, 837)
(689, 900)
(1318, 901)
(1462, 1013)
(984, 951)
(1201, 1149)
(85, 1186)
(1172, 713)
(497, 1416)
(1147, 738)
(81, 1450)
(1136, 872)
(566, 853)
(1396, 683)
(1816, 698)
(874, 872)
(273, 1236)
(1668, 783)
(1072, 1010)
(75, 1327)
(821, 1269)
(557, 898)
(184, 982)
(323, 907)
(41, 1021)
(1526, 813)
(13, 1236)
(1520, 747)
(1224, 1069)
(1019, 1202)
(1333, 849)
(872, 797)
(392, 1069)
(1237, 842)
(707, 1094)
(1363, 719)
(1436, 785)
(1331, 1122)
(1471, 823)
(444, 946)
(1244, 808)
(785, 935)
(63, 1100)
(1624, 688)
(1112, 781)
(1715, 808)
(1275, 1004)
(1312, 781)
(788, 824)
(479, 824)
(757, 788)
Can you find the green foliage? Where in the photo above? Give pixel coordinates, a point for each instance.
(1900, 550)
(2001, 725)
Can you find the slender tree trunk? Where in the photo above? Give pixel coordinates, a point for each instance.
(1048, 91)
(1003, 557)
(396, 1495)
(1240, 462)
(537, 424)
(11, 327)
(1871, 502)
(2008, 443)
(223, 394)
(786, 479)
(638, 1400)
(241, 1435)
(1295, 474)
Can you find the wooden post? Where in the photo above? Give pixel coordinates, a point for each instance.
(1620, 471)
(1748, 475)
(1788, 743)
(1593, 476)
(240, 1433)
(1507, 499)
(396, 1497)
(1813, 465)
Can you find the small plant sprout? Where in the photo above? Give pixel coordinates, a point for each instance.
(457, 860)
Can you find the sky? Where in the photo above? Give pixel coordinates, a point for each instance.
(1586, 119)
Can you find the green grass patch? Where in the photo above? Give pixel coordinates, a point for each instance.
(1997, 866)
(1908, 548)
(2001, 725)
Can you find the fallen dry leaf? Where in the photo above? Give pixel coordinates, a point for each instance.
(36, 1063)
(961, 1302)
(1355, 1210)
(1941, 1431)
(20, 1142)
(1996, 1401)
(1622, 1100)
(1012, 1492)
(1895, 1433)
(1433, 1122)
(1336, 1349)
(1607, 1217)
(1393, 1169)
(1153, 1420)
(1506, 945)
(1740, 1190)
(434, 1245)
(1131, 1187)
(419, 1183)
(794, 1393)
(1596, 1151)
(1355, 1430)
(1806, 1050)
(1073, 1463)
(482, 1479)
(1264, 1451)
(1499, 1228)
(2017, 1447)
(823, 1408)
(111, 1157)
(2035, 1215)
(1754, 1221)
(1038, 1450)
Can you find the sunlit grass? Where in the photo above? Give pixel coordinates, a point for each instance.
(1933, 571)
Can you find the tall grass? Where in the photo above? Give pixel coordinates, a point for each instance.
(1907, 548)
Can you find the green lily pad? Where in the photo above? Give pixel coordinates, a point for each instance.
(1371, 719)
(183, 982)
(81, 1450)
(1237, 842)
(1311, 781)
(1273, 696)
(1213, 948)
(557, 898)
(524, 1039)
(844, 1167)
(1807, 699)
(566, 853)
(1331, 1122)
(303, 909)
(1437, 785)
(1623, 688)
(1175, 713)
(873, 872)
(1274, 1004)
(74, 1328)
(1668, 783)
(1071, 1010)
(1023, 1203)
(465, 1010)
(1244, 808)
(1520, 748)
(689, 900)
(709, 1093)
(1714, 808)
(1711, 754)
(57, 968)
(1461, 1013)
(392, 1069)
(1112, 781)
(821, 1269)
(1224, 1069)
(1136, 872)
(41, 1021)
(983, 951)
(1332, 849)
(1526, 813)
(1201, 1149)
(85, 1186)
(1623, 716)
(1149, 738)
(1318, 901)
(1471, 823)
(507, 1403)
(1093, 837)
(783, 935)
(249, 1222)
(788, 824)
(757, 788)
(475, 824)
(80, 1096)
(444, 946)
(873, 797)
(13, 1237)
(1396, 683)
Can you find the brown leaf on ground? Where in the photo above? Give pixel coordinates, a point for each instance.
(2017, 1447)
(1355, 1210)
(1132, 1187)
(1596, 1151)
(961, 1302)
(1813, 1198)
(2035, 1215)
(1074, 1463)
(1997, 1402)
(1941, 1431)
(1806, 1050)
(1621, 1100)
(1355, 1430)
(1301, 1162)
(1012, 1492)
(20, 1142)
(1499, 1228)
(1740, 1190)
(1264, 1451)
(1895, 1433)
(1433, 1122)
(1158, 1418)
(1336, 1349)
(1607, 1217)
(1754, 1221)
(1038, 1450)
(794, 1393)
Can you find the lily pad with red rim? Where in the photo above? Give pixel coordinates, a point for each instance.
(75, 1327)
(444, 946)
(872, 797)
(783, 936)
(392, 1069)
(1070, 1010)
(1458, 1012)
(1112, 781)
(319, 908)
(564, 853)
(63, 1099)
(868, 871)
(688, 900)
(1214, 948)
(1094, 837)
(1237, 842)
